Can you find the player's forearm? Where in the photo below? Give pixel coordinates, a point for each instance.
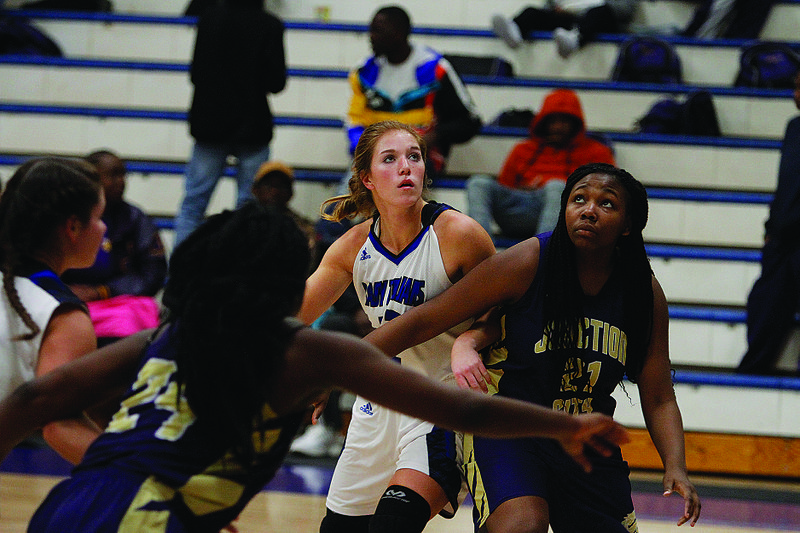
(665, 426)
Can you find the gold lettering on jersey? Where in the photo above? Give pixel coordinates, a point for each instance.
(573, 406)
(580, 376)
(629, 523)
(597, 336)
(541, 346)
(181, 418)
(154, 384)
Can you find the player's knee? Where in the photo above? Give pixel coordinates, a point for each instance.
(339, 523)
(400, 509)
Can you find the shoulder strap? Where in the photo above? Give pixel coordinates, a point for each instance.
(431, 211)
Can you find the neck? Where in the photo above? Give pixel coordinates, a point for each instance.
(398, 227)
(594, 271)
(400, 55)
(52, 262)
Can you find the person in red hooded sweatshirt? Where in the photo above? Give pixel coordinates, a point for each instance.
(525, 198)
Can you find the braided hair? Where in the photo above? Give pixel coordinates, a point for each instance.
(231, 284)
(563, 301)
(41, 196)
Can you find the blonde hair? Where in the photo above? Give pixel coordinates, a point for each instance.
(359, 199)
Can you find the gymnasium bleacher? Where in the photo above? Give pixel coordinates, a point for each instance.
(123, 84)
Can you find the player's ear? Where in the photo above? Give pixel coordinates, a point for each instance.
(366, 179)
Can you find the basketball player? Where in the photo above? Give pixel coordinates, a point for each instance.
(50, 221)
(406, 252)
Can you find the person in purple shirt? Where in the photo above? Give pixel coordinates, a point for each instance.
(131, 260)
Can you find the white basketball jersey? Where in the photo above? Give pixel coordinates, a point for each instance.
(19, 358)
(388, 285)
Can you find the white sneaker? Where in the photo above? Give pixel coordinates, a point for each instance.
(316, 441)
(567, 41)
(507, 29)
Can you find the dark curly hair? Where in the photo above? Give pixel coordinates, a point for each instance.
(563, 301)
(41, 195)
(231, 284)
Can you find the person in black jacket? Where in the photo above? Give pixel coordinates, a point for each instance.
(238, 59)
(729, 19)
(774, 300)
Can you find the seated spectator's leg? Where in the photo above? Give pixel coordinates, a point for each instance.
(250, 159)
(600, 19)
(536, 19)
(202, 173)
(699, 17)
(771, 306)
(748, 19)
(479, 200)
(716, 24)
(550, 194)
(516, 211)
(624, 10)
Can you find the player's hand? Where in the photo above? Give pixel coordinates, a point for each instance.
(679, 482)
(468, 368)
(597, 431)
(319, 404)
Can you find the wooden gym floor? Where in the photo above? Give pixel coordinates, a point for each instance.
(294, 501)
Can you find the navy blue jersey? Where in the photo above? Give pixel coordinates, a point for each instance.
(159, 468)
(579, 383)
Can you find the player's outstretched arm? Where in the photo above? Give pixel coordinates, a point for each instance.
(68, 390)
(354, 365)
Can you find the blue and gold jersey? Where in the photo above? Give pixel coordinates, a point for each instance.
(581, 382)
(170, 471)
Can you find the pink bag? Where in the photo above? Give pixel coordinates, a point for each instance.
(123, 315)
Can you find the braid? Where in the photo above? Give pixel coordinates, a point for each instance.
(41, 195)
(563, 300)
(13, 298)
(232, 283)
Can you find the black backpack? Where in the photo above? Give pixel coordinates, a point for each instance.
(647, 59)
(696, 115)
(700, 116)
(492, 66)
(768, 65)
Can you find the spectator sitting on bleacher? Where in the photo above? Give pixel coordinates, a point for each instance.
(525, 199)
(273, 185)
(130, 267)
(729, 19)
(573, 22)
(774, 301)
(412, 84)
